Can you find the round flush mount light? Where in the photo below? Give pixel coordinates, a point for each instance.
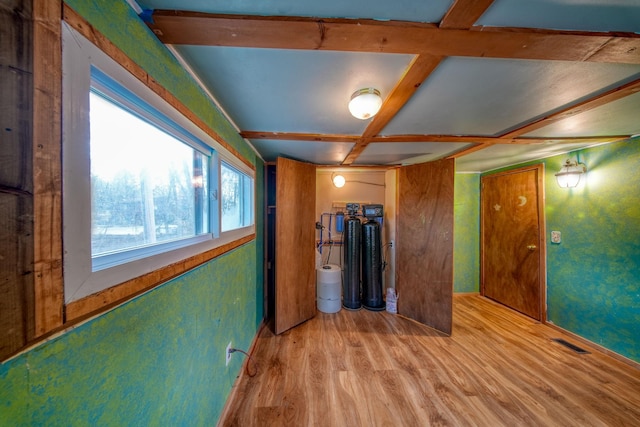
(365, 103)
(338, 180)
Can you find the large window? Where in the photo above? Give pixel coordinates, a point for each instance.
(141, 182)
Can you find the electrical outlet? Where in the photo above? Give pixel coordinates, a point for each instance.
(391, 243)
(227, 354)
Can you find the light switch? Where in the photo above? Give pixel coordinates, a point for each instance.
(556, 237)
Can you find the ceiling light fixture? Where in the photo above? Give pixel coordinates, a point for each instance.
(365, 103)
(570, 173)
(338, 180)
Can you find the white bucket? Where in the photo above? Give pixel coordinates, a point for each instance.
(329, 288)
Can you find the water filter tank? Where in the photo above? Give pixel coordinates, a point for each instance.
(351, 263)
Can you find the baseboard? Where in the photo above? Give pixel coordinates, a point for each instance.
(240, 377)
(595, 346)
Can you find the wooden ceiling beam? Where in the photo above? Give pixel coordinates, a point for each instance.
(416, 73)
(581, 107)
(464, 13)
(292, 136)
(361, 35)
(415, 138)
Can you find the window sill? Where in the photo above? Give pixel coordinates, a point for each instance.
(115, 295)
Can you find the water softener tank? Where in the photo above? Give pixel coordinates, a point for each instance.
(351, 264)
(372, 297)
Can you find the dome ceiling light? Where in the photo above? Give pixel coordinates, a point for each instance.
(365, 103)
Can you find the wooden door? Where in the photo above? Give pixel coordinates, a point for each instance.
(424, 238)
(512, 239)
(295, 296)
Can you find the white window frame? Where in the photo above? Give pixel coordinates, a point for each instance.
(81, 278)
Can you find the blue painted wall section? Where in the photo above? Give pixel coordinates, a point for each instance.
(158, 359)
(466, 233)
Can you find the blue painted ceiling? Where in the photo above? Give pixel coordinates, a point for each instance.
(509, 80)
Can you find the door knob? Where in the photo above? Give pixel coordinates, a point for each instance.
(532, 247)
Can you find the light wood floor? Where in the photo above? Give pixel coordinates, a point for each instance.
(365, 368)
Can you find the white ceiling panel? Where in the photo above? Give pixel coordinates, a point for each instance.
(486, 97)
(585, 15)
(292, 90)
(402, 10)
(394, 153)
(503, 155)
(321, 153)
(616, 118)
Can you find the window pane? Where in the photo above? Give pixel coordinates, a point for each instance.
(236, 199)
(147, 187)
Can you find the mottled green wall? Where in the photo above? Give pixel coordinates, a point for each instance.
(466, 232)
(593, 276)
(159, 359)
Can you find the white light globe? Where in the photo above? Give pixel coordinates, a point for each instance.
(365, 103)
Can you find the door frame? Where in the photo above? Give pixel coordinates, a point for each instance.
(542, 240)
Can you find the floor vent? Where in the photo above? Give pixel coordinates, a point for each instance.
(571, 346)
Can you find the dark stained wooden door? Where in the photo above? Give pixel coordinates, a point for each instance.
(295, 296)
(512, 239)
(424, 238)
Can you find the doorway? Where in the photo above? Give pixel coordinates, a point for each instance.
(513, 240)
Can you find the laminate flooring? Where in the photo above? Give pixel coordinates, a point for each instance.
(498, 368)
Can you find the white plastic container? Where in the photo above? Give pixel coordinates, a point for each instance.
(329, 288)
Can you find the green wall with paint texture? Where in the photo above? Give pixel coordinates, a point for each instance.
(158, 359)
(593, 275)
(466, 233)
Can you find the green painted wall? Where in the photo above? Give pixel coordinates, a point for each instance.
(158, 359)
(466, 232)
(593, 276)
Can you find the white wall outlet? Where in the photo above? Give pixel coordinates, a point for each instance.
(556, 237)
(227, 354)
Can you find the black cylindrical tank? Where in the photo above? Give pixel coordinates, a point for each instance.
(372, 266)
(351, 264)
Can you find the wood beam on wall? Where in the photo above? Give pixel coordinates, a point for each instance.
(47, 165)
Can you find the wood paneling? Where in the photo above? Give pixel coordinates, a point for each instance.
(295, 295)
(47, 165)
(16, 184)
(424, 256)
(365, 368)
(512, 239)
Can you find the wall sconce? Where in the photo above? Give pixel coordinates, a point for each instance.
(338, 180)
(570, 173)
(365, 103)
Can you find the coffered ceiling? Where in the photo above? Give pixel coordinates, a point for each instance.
(489, 83)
